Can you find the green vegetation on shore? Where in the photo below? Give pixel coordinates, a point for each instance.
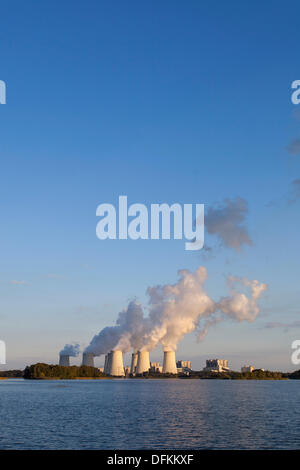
(230, 375)
(55, 372)
(11, 374)
(256, 374)
(46, 371)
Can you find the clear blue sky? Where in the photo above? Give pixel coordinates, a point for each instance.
(164, 102)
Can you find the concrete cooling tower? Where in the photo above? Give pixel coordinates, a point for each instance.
(169, 366)
(115, 366)
(105, 364)
(88, 359)
(143, 362)
(134, 360)
(64, 360)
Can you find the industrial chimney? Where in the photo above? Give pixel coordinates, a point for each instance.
(143, 362)
(116, 367)
(64, 360)
(134, 360)
(169, 366)
(88, 359)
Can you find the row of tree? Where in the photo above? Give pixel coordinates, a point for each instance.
(256, 374)
(51, 371)
(12, 373)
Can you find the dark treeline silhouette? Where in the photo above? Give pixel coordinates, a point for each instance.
(52, 371)
(256, 374)
(12, 373)
(294, 375)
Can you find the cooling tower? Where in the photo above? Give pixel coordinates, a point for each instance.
(108, 363)
(134, 360)
(143, 362)
(169, 366)
(88, 359)
(116, 367)
(105, 364)
(64, 360)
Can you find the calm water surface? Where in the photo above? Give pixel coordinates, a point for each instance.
(149, 414)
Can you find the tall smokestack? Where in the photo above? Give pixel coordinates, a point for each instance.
(143, 362)
(64, 360)
(134, 360)
(116, 367)
(88, 359)
(169, 366)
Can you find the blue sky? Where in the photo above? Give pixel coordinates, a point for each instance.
(164, 102)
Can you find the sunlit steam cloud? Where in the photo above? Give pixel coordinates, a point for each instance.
(175, 310)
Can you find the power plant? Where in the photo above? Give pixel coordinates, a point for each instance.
(114, 366)
(64, 360)
(88, 359)
(140, 363)
(173, 311)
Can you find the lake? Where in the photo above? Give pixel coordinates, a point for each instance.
(149, 414)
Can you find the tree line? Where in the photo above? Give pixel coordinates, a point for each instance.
(52, 371)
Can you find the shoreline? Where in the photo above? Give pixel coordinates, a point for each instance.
(154, 378)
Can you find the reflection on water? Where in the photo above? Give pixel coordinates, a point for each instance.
(149, 414)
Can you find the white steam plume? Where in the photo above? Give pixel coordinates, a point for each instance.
(125, 335)
(104, 341)
(70, 350)
(175, 310)
(238, 305)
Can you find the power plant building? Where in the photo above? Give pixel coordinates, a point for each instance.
(247, 368)
(217, 365)
(156, 367)
(184, 364)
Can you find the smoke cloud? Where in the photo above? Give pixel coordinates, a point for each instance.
(70, 350)
(285, 326)
(226, 221)
(238, 305)
(295, 191)
(294, 147)
(175, 310)
(104, 341)
(125, 335)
